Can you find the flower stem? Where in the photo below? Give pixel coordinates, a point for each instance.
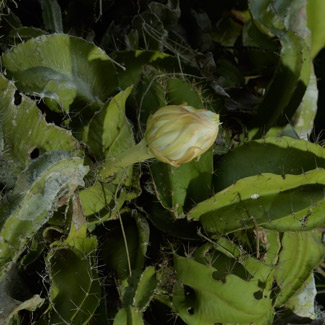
(138, 153)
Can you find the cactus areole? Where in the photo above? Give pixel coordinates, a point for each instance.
(176, 134)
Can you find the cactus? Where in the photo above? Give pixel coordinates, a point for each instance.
(207, 295)
(52, 15)
(277, 155)
(78, 301)
(107, 134)
(67, 302)
(285, 203)
(206, 299)
(11, 306)
(30, 206)
(115, 253)
(137, 296)
(134, 62)
(292, 74)
(136, 288)
(94, 229)
(46, 66)
(20, 139)
(128, 316)
(37, 190)
(300, 253)
(145, 289)
(303, 119)
(303, 300)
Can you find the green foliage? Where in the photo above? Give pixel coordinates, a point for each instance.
(292, 73)
(20, 139)
(128, 316)
(211, 302)
(65, 70)
(88, 235)
(107, 134)
(77, 301)
(284, 203)
(315, 23)
(301, 252)
(277, 155)
(33, 199)
(225, 267)
(52, 16)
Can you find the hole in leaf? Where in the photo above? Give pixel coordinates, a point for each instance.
(261, 284)
(189, 292)
(34, 153)
(219, 276)
(190, 311)
(2, 187)
(17, 98)
(258, 295)
(209, 252)
(275, 290)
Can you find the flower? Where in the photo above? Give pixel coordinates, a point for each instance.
(176, 134)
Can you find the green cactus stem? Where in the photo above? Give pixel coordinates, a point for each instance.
(138, 153)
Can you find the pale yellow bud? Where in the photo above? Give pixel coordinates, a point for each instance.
(177, 134)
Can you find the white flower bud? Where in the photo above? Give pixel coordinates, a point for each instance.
(176, 134)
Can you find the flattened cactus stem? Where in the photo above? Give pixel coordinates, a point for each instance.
(138, 153)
